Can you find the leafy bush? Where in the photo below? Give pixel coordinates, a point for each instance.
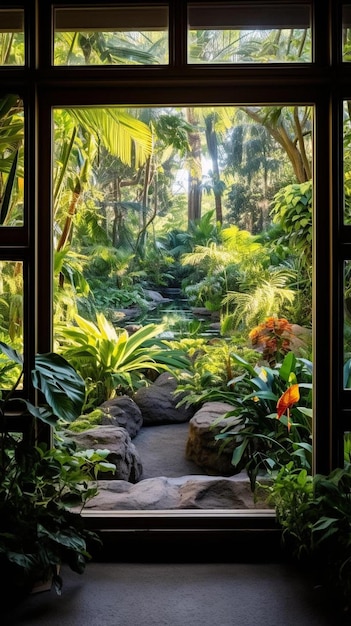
(43, 490)
(260, 396)
(292, 209)
(315, 515)
(111, 361)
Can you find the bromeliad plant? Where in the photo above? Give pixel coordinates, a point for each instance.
(111, 361)
(43, 490)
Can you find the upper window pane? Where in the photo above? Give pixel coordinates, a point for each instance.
(249, 33)
(124, 35)
(11, 37)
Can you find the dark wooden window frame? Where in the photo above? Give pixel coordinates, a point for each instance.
(325, 83)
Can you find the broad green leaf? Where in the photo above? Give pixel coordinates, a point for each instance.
(288, 365)
(63, 388)
(11, 353)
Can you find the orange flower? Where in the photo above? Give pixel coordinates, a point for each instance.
(286, 400)
(270, 322)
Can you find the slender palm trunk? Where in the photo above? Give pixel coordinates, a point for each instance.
(195, 169)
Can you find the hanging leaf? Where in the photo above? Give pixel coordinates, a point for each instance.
(62, 386)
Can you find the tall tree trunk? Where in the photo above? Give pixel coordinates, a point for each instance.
(72, 209)
(293, 146)
(195, 169)
(212, 145)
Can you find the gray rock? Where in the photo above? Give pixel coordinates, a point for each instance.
(202, 447)
(158, 402)
(155, 296)
(122, 411)
(123, 452)
(186, 492)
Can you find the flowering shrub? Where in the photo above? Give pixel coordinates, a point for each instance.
(272, 338)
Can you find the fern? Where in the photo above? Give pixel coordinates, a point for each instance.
(263, 300)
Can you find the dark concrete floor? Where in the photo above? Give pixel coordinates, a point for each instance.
(162, 451)
(159, 594)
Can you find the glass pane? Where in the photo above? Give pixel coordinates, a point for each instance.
(11, 160)
(11, 37)
(128, 35)
(11, 318)
(255, 33)
(346, 42)
(347, 161)
(197, 220)
(347, 325)
(347, 447)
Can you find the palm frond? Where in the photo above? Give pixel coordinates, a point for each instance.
(118, 132)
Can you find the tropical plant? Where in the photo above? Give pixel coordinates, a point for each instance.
(78, 133)
(272, 430)
(116, 48)
(213, 367)
(111, 361)
(291, 128)
(12, 48)
(243, 46)
(217, 265)
(257, 300)
(11, 160)
(273, 338)
(70, 284)
(315, 516)
(11, 301)
(292, 210)
(43, 490)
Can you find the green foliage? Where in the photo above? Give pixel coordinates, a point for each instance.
(38, 528)
(70, 284)
(216, 266)
(292, 209)
(111, 361)
(62, 386)
(264, 442)
(213, 367)
(43, 490)
(86, 421)
(109, 297)
(267, 297)
(291, 494)
(207, 292)
(315, 515)
(11, 160)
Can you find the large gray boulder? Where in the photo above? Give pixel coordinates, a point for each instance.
(202, 447)
(158, 402)
(123, 452)
(122, 411)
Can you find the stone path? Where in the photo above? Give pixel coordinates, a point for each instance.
(162, 451)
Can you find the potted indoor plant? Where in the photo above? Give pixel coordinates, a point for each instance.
(43, 489)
